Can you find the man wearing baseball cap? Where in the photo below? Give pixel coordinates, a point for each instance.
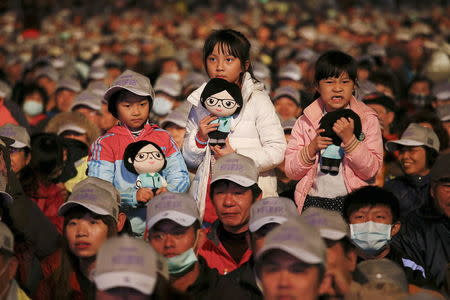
(292, 262)
(129, 268)
(341, 253)
(233, 190)
(385, 108)
(418, 149)
(286, 101)
(20, 151)
(425, 233)
(130, 99)
(265, 215)
(173, 230)
(9, 289)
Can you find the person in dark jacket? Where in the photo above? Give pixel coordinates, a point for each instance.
(418, 147)
(173, 230)
(265, 215)
(425, 234)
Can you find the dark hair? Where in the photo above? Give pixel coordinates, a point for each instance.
(133, 149)
(216, 85)
(229, 41)
(116, 98)
(256, 190)
(386, 78)
(60, 279)
(264, 230)
(426, 116)
(347, 245)
(333, 63)
(30, 89)
(371, 196)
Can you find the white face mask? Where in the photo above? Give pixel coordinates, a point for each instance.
(162, 106)
(33, 107)
(371, 237)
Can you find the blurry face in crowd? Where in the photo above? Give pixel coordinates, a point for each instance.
(384, 89)
(284, 276)
(336, 92)
(378, 214)
(85, 235)
(107, 120)
(48, 84)
(441, 194)
(36, 97)
(221, 64)
(177, 133)
(413, 160)
(133, 110)
(420, 88)
(64, 99)
(286, 108)
(120, 294)
(232, 203)
(384, 116)
(92, 115)
(19, 159)
(171, 239)
(170, 67)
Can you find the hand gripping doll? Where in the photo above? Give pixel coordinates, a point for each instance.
(222, 99)
(147, 160)
(331, 156)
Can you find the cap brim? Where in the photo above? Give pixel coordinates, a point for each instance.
(140, 282)
(176, 216)
(254, 226)
(68, 205)
(241, 180)
(300, 254)
(6, 197)
(18, 144)
(114, 89)
(393, 145)
(334, 235)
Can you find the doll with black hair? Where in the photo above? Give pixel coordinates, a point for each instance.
(147, 160)
(331, 156)
(224, 100)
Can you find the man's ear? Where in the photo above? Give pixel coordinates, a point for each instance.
(201, 239)
(395, 228)
(122, 218)
(352, 259)
(391, 116)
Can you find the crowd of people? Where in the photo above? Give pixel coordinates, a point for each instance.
(276, 150)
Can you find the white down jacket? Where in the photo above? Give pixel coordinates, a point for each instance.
(255, 132)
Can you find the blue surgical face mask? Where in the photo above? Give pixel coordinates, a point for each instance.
(180, 263)
(371, 237)
(162, 106)
(33, 108)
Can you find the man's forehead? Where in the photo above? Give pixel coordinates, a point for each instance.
(374, 209)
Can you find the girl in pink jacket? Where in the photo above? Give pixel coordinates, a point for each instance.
(335, 77)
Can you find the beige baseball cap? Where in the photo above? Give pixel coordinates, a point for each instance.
(237, 168)
(416, 135)
(94, 198)
(330, 224)
(271, 210)
(6, 238)
(126, 262)
(17, 133)
(69, 84)
(298, 239)
(89, 99)
(106, 185)
(131, 81)
(381, 271)
(178, 207)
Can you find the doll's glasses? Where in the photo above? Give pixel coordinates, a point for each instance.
(141, 156)
(227, 103)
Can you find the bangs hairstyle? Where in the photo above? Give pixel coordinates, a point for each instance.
(133, 149)
(333, 63)
(230, 42)
(371, 196)
(78, 212)
(256, 190)
(116, 98)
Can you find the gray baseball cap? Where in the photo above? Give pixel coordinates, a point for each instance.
(442, 91)
(48, 72)
(298, 239)
(97, 73)
(416, 135)
(179, 116)
(6, 238)
(330, 224)
(126, 262)
(443, 112)
(178, 207)
(271, 210)
(69, 84)
(18, 133)
(381, 271)
(94, 198)
(290, 71)
(97, 87)
(106, 185)
(169, 85)
(89, 99)
(131, 81)
(237, 168)
(289, 92)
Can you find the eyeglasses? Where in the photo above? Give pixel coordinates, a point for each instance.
(226, 103)
(141, 156)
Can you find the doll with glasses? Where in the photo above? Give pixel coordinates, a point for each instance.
(147, 160)
(223, 100)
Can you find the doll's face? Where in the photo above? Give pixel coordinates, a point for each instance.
(221, 104)
(148, 160)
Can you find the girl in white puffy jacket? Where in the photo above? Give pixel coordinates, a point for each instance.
(255, 132)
